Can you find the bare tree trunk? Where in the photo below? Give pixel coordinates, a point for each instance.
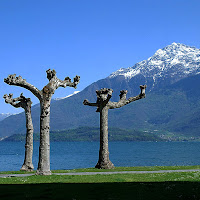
(28, 165)
(44, 149)
(44, 96)
(103, 105)
(104, 161)
(24, 103)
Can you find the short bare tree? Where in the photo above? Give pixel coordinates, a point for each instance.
(103, 105)
(25, 103)
(44, 97)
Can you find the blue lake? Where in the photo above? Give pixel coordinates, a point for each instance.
(71, 155)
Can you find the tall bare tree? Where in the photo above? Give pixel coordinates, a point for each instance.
(103, 105)
(24, 103)
(44, 97)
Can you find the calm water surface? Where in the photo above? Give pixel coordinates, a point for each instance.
(71, 155)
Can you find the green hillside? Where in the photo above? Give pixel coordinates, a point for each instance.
(92, 134)
(173, 110)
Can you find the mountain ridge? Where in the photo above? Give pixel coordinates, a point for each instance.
(166, 103)
(173, 62)
(4, 115)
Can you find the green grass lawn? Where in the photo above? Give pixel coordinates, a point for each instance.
(145, 168)
(153, 168)
(114, 178)
(182, 185)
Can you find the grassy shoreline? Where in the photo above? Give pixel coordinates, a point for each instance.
(175, 185)
(139, 168)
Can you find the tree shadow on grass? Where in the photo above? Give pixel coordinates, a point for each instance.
(103, 191)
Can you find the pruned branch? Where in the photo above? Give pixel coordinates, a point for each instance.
(50, 74)
(104, 95)
(143, 87)
(18, 81)
(10, 100)
(87, 103)
(123, 94)
(123, 101)
(109, 95)
(18, 102)
(56, 82)
(67, 82)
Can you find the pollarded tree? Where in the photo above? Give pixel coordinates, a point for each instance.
(103, 105)
(25, 103)
(44, 97)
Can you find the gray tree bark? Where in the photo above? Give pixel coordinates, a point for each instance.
(44, 97)
(104, 161)
(103, 105)
(24, 103)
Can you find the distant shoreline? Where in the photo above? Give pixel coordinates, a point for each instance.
(115, 134)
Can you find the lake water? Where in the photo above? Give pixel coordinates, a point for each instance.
(71, 155)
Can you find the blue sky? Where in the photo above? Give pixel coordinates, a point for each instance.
(90, 38)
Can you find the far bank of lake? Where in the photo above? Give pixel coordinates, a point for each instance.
(71, 155)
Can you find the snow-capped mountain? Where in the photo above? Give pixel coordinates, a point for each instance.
(171, 103)
(170, 64)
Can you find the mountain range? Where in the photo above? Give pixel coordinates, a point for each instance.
(171, 107)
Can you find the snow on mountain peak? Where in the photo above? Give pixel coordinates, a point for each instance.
(175, 59)
(76, 92)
